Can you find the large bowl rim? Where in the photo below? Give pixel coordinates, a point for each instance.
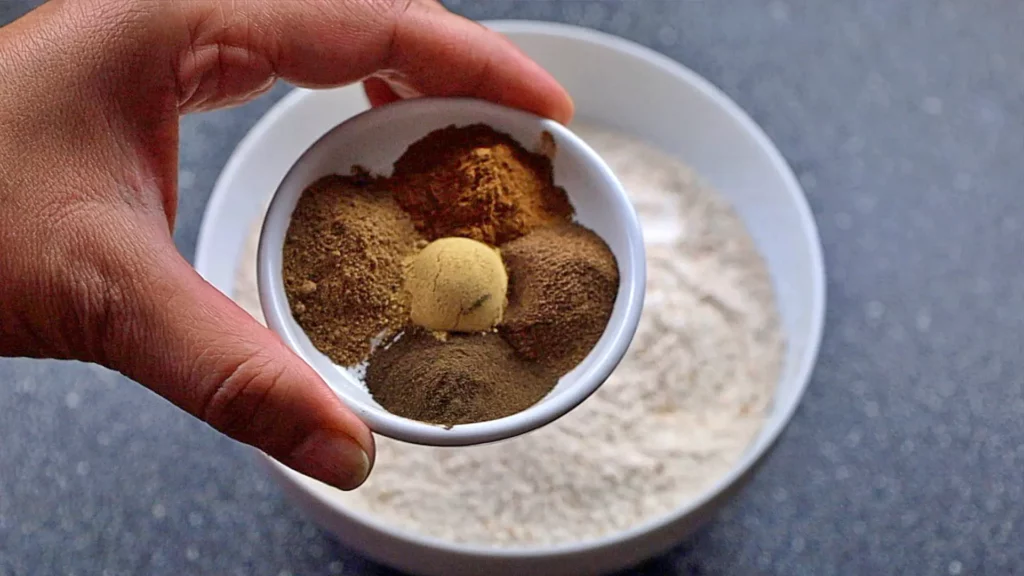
(758, 449)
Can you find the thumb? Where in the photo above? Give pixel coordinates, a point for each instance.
(198, 349)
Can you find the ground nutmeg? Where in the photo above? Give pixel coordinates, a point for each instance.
(563, 281)
(456, 380)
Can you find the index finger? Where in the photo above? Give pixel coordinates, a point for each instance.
(416, 44)
(478, 62)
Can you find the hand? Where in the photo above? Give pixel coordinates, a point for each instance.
(90, 96)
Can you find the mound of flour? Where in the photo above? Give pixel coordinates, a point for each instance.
(682, 407)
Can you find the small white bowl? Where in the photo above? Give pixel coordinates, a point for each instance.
(374, 140)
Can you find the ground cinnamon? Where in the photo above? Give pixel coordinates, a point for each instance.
(563, 281)
(477, 183)
(343, 265)
(458, 380)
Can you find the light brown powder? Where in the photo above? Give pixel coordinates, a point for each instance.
(343, 265)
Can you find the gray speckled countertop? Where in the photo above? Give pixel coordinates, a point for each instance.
(905, 123)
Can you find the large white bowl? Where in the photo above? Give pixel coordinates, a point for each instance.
(622, 86)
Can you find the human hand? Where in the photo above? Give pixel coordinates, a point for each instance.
(90, 96)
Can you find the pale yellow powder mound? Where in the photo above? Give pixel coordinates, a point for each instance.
(456, 285)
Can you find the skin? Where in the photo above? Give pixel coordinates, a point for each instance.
(90, 96)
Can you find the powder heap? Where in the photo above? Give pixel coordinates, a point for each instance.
(477, 183)
(563, 280)
(457, 380)
(674, 418)
(343, 265)
(456, 285)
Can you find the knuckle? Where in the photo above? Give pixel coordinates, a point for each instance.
(224, 55)
(390, 8)
(238, 398)
(402, 6)
(388, 14)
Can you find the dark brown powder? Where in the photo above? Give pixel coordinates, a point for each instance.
(458, 380)
(343, 265)
(477, 183)
(563, 281)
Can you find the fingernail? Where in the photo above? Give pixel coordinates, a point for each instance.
(333, 458)
(568, 114)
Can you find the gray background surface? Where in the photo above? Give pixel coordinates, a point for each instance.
(905, 123)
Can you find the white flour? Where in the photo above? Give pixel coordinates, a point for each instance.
(682, 407)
